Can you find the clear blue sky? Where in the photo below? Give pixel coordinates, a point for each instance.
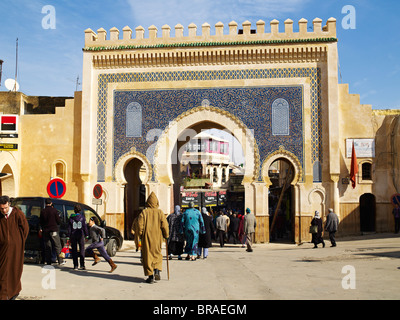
(51, 59)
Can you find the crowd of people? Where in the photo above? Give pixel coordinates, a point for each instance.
(199, 229)
(187, 231)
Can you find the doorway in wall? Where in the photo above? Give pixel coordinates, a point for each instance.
(367, 212)
(280, 200)
(135, 194)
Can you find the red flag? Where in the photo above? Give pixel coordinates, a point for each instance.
(354, 167)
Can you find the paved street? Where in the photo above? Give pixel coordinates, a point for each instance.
(273, 271)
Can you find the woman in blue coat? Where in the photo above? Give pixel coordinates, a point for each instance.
(193, 225)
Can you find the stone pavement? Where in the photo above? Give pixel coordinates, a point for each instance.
(364, 267)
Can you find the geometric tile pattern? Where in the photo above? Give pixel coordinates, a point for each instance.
(250, 104)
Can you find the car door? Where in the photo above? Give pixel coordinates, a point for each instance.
(31, 208)
(63, 228)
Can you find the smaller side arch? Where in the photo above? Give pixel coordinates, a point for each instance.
(282, 153)
(123, 161)
(318, 190)
(10, 181)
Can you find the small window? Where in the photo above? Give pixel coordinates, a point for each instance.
(280, 117)
(317, 172)
(134, 120)
(366, 171)
(58, 169)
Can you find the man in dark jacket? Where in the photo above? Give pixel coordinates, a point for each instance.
(205, 239)
(49, 223)
(233, 228)
(331, 225)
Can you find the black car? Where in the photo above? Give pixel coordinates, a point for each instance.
(32, 206)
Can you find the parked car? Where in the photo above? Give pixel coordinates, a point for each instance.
(32, 206)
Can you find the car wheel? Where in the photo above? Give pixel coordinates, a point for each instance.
(112, 248)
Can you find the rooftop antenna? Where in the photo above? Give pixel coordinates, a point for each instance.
(16, 67)
(77, 83)
(1, 69)
(12, 84)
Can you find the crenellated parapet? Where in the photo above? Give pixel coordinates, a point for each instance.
(136, 39)
(247, 45)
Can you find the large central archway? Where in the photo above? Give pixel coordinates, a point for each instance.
(163, 153)
(204, 165)
(187, 124)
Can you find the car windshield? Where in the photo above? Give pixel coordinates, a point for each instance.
(89, 213)
(85, 211)
(28, 207)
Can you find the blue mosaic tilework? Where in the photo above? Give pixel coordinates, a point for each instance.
(251, 105)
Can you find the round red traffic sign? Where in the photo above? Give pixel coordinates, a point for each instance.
(97, 191)
(56, 188)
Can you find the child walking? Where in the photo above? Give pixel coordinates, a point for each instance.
(97, 234)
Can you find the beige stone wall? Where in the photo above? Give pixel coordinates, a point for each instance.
(47, 140)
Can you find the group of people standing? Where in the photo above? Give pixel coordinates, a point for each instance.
(78, 232)
(199, 229)
(14, 229)
(189, 232)
(151, 227)
(240, 227)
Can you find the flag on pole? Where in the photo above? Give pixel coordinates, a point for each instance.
(354, 167)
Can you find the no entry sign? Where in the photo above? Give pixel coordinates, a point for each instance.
(56, 188)
(97, 191)
(395, 199)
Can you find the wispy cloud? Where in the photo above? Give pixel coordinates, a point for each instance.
(368, 94)
(160, 12)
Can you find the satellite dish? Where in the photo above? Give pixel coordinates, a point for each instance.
(10, 84)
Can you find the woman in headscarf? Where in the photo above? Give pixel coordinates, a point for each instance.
(205, 239)
(317, 237)
(193, 225)
(176, 238)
